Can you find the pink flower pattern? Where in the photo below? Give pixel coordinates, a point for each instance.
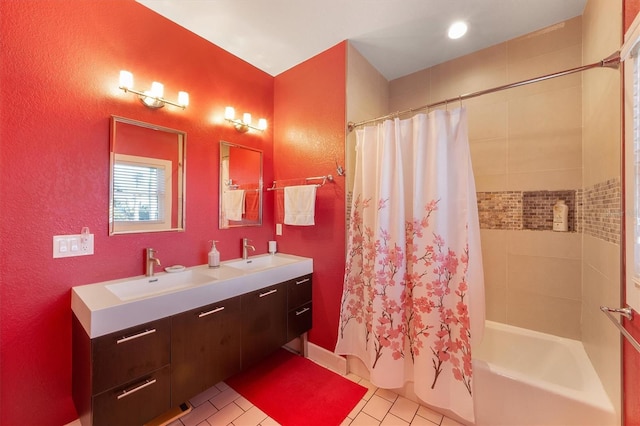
(409, 295)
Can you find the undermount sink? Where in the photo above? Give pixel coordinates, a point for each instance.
(258, 263)
(147, 286)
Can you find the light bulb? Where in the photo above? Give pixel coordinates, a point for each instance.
(157, 89)
(126, 80)
(246, 118)
(183, 99)
(229, 113)
(262, 124)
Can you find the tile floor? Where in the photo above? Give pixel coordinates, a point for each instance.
(222, 406)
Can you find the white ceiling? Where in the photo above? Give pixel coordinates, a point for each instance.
(397, 37)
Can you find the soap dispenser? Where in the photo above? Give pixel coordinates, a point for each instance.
(214, 255)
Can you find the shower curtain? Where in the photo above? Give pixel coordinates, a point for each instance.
(413, 297)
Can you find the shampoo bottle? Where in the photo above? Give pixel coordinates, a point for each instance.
(214, 256)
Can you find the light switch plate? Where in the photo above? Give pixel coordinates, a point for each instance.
(72, 245)
(278, 229)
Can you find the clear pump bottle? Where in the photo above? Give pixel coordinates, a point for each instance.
(214, 255)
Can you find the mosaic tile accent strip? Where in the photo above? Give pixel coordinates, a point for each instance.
(500, 210)
(602, 210)
(537, 209)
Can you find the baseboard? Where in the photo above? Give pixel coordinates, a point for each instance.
(327, 359)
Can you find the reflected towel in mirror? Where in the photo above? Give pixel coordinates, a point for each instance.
(300, 205)
(234, 204)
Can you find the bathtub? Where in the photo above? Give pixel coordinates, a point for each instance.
(526, 378)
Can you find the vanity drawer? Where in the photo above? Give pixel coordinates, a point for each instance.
(298, 291)
(136, 402)
(299, 321)
(127, 354)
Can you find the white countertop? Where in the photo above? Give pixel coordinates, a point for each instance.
(101, 312)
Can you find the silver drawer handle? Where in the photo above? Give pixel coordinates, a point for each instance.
(302, 281)
(135, 336)
(269, 292)
(128, 392)
(213, 311)
(302, 311)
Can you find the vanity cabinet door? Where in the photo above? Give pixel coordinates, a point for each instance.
(299, 316)
(264, 323)
(205, 348)
(134, 403)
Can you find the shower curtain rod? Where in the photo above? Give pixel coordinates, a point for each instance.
(611, 61)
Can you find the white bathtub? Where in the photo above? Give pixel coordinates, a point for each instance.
(526, 378)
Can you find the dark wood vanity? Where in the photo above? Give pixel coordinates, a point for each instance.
(131, 376)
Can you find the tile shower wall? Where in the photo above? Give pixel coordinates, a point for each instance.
(526, 150)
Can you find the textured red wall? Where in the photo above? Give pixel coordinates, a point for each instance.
(310, 133)
(59, 67)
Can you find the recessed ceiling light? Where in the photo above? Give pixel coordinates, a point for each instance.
(457, 30)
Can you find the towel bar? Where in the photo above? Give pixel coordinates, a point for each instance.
(628, 313)
(324, 180)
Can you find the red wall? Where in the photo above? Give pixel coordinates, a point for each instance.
(59, 68)
(310, 133)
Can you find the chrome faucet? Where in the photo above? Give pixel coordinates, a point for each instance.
(245, 246)
(152, 260)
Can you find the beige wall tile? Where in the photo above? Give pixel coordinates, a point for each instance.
(550, 180)
(489, 156)
(487, 120)
(410, 91)
(603, 257)
(491, 183)
(561, 245)
(545, 276)
(547, 314)
(481, 70)
(546, 40)
(494, 261)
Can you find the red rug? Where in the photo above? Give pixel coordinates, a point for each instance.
(295, 391)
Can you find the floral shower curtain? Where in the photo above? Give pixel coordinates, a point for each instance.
(413, 298)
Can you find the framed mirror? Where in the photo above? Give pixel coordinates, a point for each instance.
(147, 177)
(240, 186)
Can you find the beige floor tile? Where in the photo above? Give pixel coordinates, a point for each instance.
(243, 403)
(198, 414)
(404, 409)
(429, 414)
(377, 407)
(387, 394)
(371, 388)
(225, 416)
(450, 422)
(359, 406)
(224, 398)
(421, 421)
(269, 422)
(253, 417)
(391, 420)
(363, 419)
(204, 396)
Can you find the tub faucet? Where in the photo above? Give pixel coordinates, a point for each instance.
(245, 246)
(152, 260)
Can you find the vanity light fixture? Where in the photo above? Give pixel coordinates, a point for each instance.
(152, 98)
(245, 124)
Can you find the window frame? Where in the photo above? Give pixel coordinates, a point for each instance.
(165, 207)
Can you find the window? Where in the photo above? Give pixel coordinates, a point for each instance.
(141, 193)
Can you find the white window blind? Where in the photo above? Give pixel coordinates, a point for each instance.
(141, 192)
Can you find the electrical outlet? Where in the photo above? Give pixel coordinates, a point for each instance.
(72, 245)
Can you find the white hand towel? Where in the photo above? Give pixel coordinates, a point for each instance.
(300, 205)
(234, 204)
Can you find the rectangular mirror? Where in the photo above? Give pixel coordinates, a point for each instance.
(240, 186)
(147, 177)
